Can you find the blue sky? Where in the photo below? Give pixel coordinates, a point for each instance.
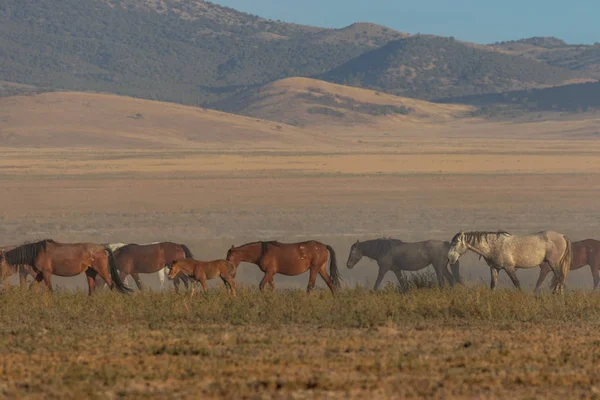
(480, 21)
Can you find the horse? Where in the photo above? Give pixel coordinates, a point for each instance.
(23, 270)
(289, 259)
(585, 252)
(201, 271)
(161, 272)
(48, 257)
(134, 259)
(397, 256)
(502, 250)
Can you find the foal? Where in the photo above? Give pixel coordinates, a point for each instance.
(202, 271)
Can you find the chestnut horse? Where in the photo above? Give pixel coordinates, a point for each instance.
(48, 257)
(201, 271)
(289, 259)
(134, 259)
(585, 252)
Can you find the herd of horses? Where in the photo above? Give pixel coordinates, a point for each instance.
(113, 263)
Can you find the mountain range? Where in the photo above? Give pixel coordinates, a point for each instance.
(198, 53)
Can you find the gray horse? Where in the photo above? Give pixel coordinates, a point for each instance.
(396, 256)
(501, 250)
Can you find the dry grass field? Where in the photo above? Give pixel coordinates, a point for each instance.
(102, 168)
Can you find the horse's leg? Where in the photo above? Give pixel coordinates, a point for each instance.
(226, 284)
(23, 278)
(558, 285)
(494, 280)
(38, 278)
(326, 278)
(442, 272)
(203, 283)
(123, 276)
(136, 279)
(161, 278)
(102, 271)
(512, 274)
(594, 267)
(312, 279)
(544, 270)
(47, 280)
(230, 284)
(382, 271)
(91, 278)
(266, 279)
(233, 288)
(442, 267)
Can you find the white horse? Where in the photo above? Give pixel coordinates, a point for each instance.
(501, 250)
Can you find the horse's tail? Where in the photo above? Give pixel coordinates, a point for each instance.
(564, 264)
(566, 259)
(456, 272)
(334, 273)
(186, 250)
(114, 272)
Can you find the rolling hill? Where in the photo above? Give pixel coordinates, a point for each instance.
(313, 103)
(66, 119)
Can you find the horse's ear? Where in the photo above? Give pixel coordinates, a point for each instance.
(356, 241)
(232, 247)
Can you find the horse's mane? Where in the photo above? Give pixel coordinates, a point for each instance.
(26, 253)
(375, 247)
(477, 236)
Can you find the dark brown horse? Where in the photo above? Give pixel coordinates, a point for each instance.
(23, 270)
(48, 258)
(8, 270)
(585, 252)
(134, 259)
(289, 259)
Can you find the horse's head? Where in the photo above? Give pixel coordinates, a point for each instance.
(173, 269)
(458, 247)
(354, 256)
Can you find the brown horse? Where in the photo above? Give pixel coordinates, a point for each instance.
(202, 271)
(289, 259)
(23, 270)
(48, 258)
(134, 259)
(8, 270)
(585, 252)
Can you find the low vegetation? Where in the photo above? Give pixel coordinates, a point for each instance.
(455, 342)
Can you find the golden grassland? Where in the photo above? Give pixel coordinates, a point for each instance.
(460, 343)
(94, 167)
